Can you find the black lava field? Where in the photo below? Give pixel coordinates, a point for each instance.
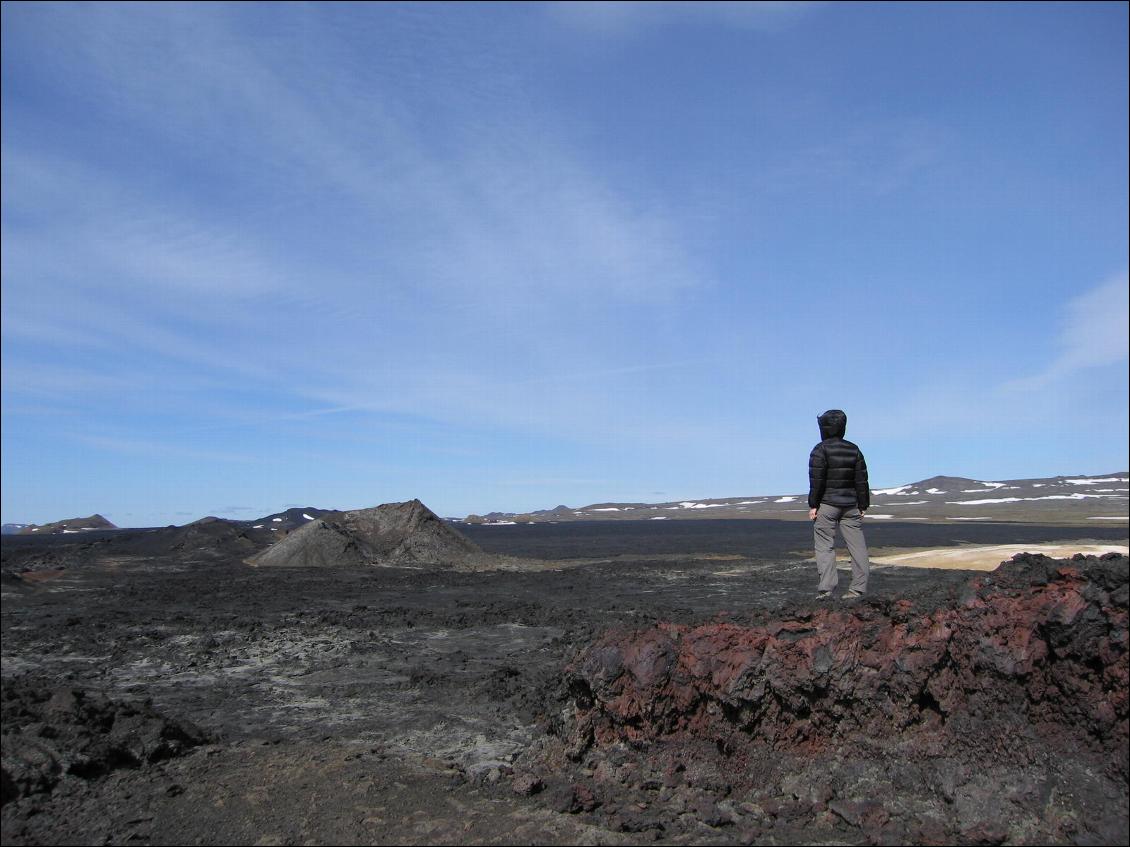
(606, 683)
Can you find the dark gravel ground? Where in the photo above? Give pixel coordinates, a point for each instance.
(394, 705)
(761, 539)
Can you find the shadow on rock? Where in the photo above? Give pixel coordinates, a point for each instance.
(50, 734)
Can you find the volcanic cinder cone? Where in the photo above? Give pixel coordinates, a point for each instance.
(392, 534)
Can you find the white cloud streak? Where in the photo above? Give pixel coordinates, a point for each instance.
(157, 449)
(1092, 334)
(621, 17)
(507, 255)
(1095, 331)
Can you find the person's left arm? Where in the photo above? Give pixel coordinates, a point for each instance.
(817, 478)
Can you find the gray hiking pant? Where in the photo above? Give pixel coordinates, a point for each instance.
(850, 521)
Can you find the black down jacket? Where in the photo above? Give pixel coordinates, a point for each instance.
(837, 471)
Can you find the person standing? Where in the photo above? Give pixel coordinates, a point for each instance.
(838, 496)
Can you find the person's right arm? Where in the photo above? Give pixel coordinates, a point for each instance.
(862, 489)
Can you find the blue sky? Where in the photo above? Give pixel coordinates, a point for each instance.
(510, 256)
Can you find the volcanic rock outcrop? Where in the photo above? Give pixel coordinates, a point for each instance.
(1032, 654)
(53, 733)
(390, 534)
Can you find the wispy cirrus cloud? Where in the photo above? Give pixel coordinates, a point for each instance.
(961, 404)
(133, 446)
(1094, 331)
(379, 247)
(87, 232)
(618, 17)
(504, 255)
(872, 157)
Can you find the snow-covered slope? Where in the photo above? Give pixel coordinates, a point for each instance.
(1099, 499)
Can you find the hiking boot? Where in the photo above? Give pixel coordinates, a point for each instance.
(852, 594)
(824, 595)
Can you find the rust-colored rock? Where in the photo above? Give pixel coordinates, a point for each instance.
(1034, 651)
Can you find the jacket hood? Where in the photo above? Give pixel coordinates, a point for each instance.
(833, 424)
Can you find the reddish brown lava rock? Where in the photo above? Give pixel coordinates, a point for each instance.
(1036, 649)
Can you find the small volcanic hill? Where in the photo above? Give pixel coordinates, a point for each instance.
(390, 534)
(290, 519)
(208, 533)
(208, 538)
(68, 525)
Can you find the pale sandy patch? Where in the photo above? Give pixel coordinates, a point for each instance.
(987, 558)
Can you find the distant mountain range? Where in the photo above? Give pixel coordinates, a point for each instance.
(1062, 499)
(1099, 500)
(277, 522)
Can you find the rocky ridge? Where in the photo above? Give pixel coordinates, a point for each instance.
(1037, 648)
(973, 717)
